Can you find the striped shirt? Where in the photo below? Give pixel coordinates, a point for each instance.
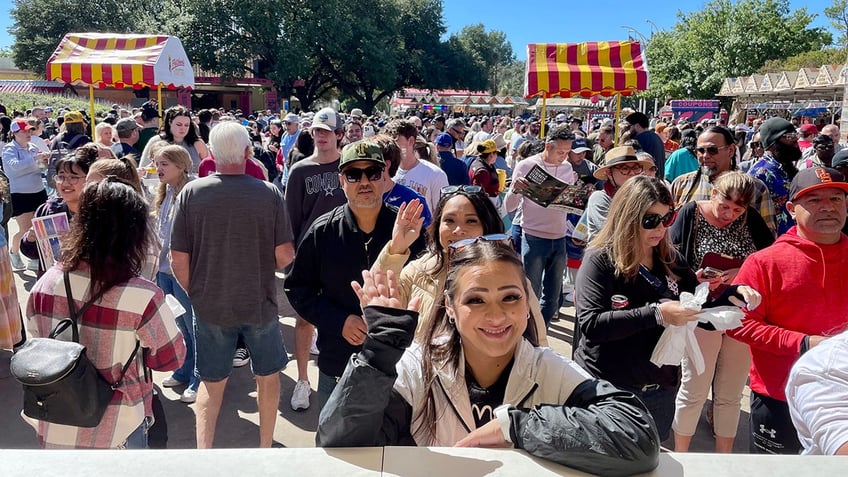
(135, 310)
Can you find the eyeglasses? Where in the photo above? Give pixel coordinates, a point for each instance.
(461, 244)
(756, 145)
(630, 170)
(711, 150)
(652, 169)
(652, 221)
(824, 147)
(353, 174)
(463, 189)
(68, 179)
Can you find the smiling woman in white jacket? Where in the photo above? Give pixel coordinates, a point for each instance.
(476, 380)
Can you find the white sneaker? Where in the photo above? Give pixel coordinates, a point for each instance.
(32, 265)
(313, 348)
(16, 261)
(189, 396)
(171, 382)
(300, 396)
(241, 357)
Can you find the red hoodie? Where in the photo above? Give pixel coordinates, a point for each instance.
(803, 288)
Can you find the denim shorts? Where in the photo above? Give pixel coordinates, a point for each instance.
(216, 346)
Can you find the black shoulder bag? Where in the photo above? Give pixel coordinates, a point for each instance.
(60, 383)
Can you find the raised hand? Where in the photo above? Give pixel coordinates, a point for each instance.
(407, 226)
(380, 289)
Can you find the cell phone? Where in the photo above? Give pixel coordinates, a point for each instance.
(711, 272)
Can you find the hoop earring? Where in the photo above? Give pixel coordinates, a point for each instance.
(451, 320)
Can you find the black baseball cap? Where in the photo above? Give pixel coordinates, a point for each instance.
(814, 178)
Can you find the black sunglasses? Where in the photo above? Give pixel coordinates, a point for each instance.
(353, 174)
(712, 150)
(463, 189)
(755, 145)
(652, 221)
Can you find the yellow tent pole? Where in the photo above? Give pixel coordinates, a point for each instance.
(617, 117)
(91, 108)
(544, 110)
(159, 99)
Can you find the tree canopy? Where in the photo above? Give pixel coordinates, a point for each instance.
(363, 50)
(727, 38)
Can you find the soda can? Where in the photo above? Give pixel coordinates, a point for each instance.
(619, 302)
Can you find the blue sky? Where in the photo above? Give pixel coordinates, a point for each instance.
(548, 21)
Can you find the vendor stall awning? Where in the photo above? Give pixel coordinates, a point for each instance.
(31, 86)
(585, 69)
(115, 60)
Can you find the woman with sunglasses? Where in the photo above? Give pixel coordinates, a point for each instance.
(628, 291)
(70, 180)
(478, 378)
(462, 212)
(620, 165)
(726, 226)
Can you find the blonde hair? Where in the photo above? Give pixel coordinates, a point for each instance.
(619, 236)
(178, 156)
(735, 186)
(124, 168)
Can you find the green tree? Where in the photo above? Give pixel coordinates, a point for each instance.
(39, 25)
(726, 38)
(490, 50)
(512, 79)
(807, 59)
(838, 16)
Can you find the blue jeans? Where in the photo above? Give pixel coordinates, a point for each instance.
(544, 263)
(216, 346)
(185, 322)
(515, 231)
(326, 385)
(660, 403)
(138, 438)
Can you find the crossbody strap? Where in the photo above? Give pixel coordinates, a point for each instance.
(72, 311)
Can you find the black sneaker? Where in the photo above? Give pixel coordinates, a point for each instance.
(241, 358)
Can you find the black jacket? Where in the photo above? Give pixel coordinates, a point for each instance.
(597, 428)
(682, 232)
(332, 254)
(616, 345)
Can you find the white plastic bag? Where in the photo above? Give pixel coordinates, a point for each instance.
(679, 341)
(722, 317)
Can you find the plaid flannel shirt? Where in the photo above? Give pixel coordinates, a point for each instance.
(135, 310)
(682, 186)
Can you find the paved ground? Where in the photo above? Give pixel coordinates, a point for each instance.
(239, 419)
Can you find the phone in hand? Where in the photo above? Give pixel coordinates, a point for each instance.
(710, 273)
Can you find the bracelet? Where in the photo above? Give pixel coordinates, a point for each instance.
(658, 314)
(501, 414)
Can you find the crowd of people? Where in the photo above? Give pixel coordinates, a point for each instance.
(425, 273)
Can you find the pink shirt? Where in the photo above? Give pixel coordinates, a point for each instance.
(538, 221)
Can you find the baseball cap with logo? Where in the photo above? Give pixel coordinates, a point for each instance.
(20, 125)
(816, 178)
(327, 119)
(292, 118)
(579, 145)
(361, 151)
(126, 124)
(444, 140)
(73, 117)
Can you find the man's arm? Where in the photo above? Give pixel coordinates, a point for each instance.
(180, 265)
(284, 254)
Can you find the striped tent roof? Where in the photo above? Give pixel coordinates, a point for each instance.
(31, 86)
(119, 60)
(585, 69)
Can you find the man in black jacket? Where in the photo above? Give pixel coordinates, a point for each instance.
(333, 253)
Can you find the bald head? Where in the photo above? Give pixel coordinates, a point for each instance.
(831, 130)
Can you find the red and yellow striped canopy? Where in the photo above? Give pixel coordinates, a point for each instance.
(585, 69)
(115, 60)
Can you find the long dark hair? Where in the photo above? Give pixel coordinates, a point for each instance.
(175, 112)
(110, 234)
(486, 211)
(441, 342)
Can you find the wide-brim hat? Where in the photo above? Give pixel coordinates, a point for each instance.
(619, 155)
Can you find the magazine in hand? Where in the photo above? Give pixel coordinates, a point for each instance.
(547, 190)
(48, 230)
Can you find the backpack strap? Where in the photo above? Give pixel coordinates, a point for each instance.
(75, 329)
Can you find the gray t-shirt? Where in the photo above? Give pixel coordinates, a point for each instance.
(230, 226)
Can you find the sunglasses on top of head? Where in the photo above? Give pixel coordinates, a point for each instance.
(462, 189)
(353, 174)
(652, 221)
(461, 244)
